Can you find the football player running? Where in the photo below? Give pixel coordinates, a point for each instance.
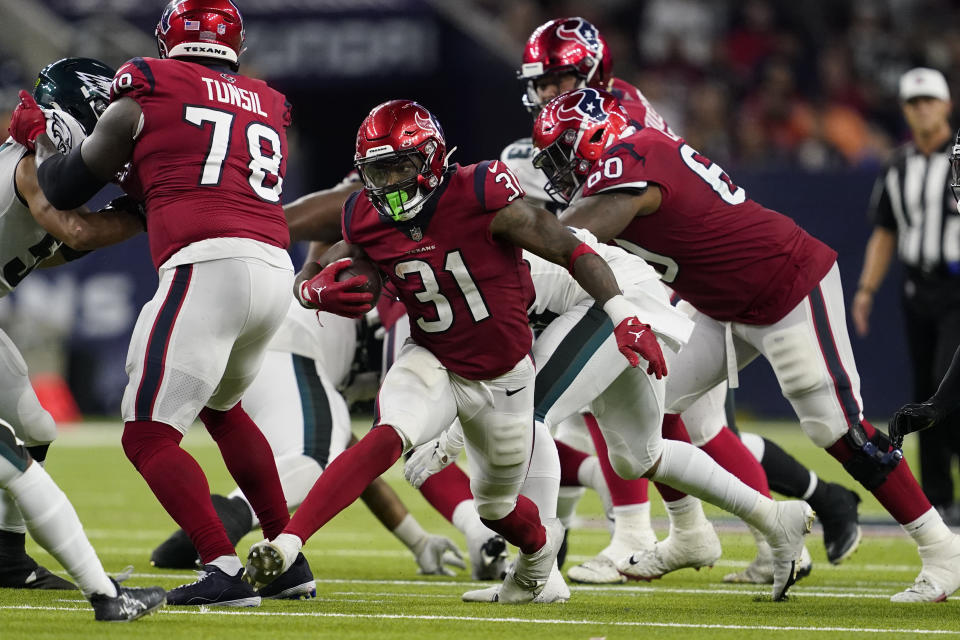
(207, 149)
(758, 285)
(74, 92)
(449, 240)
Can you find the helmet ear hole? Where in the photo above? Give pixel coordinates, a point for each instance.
(597, 136)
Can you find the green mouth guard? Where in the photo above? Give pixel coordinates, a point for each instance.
(396, 199)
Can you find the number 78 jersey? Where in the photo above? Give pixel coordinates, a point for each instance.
(211, 155)
(728, 256)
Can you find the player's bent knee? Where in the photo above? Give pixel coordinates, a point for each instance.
(794, 360)
(872, 460)
(141, 440)
(495, 509)
(822, 434)
(14, 458)
(39, 426)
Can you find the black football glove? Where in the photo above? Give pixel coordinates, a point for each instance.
(911, 418)
(130, 205)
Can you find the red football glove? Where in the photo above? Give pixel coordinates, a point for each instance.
(324, 293)
(27, 121)
(634, 337)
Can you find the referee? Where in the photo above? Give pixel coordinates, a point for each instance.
(914, 211)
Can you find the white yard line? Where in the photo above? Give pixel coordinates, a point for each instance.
(534, 621)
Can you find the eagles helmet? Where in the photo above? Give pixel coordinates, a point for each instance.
(78, 86)
(401, 157)
(571, 133)
(564, 45)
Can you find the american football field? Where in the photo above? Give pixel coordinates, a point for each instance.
(367, 584)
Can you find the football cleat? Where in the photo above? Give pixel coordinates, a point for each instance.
(215, 587)
(841, 529)
(696, 548)
(555, 590)
(760, 571)
(265, 563)
(296, 583)
(597, 570)
(25, 573)
(129, 604)
(178, 552)
(940, 575)
(794, 521)
(489, 560)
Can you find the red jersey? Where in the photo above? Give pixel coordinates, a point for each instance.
(637, 105)
(466, 292)
(731, 258)
(211, 155)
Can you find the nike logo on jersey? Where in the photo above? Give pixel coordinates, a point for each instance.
(510, 392)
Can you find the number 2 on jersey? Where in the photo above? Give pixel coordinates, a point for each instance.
(455, 266)
(264, 163)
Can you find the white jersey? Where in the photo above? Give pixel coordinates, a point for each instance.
(558, 292)
(518, 155)
(328, 339)
(24, 244)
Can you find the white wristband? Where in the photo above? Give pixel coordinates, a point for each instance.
(619, 309)
(409, 531)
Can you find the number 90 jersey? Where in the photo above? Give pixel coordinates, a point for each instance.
(211, 155)
(728, 256)
(466, 292)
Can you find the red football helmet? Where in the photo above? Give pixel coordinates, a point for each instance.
(571, 132)
(401, 156)
(201, 29)
(567, 44)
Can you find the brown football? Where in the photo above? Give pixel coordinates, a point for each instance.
(364, 267)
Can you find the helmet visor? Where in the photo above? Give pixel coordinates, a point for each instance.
(395, 169)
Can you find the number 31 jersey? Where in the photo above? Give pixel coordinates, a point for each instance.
(467, 292)
(211, 155)
(728, 256)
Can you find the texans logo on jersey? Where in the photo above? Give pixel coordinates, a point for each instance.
(589, 106)
(580, 31)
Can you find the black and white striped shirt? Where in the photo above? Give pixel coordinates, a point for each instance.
(913, 199)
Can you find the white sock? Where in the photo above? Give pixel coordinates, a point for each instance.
(542, 484)
(685, 514)
(567, 500)
(467, 521)
(928, 529)
(591, 475)
(631, 530)
(229, 564)
(10, 518)
(290, 545)
(687, 468)
(409, 531)
(54, 525)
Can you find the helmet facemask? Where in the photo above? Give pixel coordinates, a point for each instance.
(564, 169)
(399, 183)
(955, 170)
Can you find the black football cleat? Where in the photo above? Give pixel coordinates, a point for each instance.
(178, 552)
(214, 587)
(841, 528)
(25, 573)
(296, 583)
(129, 604)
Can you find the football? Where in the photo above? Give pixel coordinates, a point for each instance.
(364, 267)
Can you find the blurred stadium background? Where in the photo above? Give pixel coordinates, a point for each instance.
(797, 100)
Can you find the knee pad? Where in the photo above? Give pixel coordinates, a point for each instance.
(793, 358)
(508, 444)
(822, 434)
(872, 459)
(493, 508)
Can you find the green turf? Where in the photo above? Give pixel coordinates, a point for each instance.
(368, 585)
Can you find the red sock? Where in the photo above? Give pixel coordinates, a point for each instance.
(731, 454)
(622, 492)
(179, 484)
(900, 495)
(447, 489)
(570, 461)
(249, 460)
(344, 480)
(672, 429)
(521, 527)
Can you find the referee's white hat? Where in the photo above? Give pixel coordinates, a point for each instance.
(925, 82)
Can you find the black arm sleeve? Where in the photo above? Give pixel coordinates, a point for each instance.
(947, 397)
(66, 180)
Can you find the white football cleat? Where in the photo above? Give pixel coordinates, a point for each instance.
(794, 520)
(940, 575)
(597, 570)
(696, 548)
(760, 571)
(555, 590)
(267, 560)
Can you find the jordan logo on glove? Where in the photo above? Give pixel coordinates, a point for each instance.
(640, 344)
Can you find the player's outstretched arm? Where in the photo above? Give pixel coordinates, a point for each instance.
(316, 216)
(79, 229)
(70, 180)
(605, 215)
